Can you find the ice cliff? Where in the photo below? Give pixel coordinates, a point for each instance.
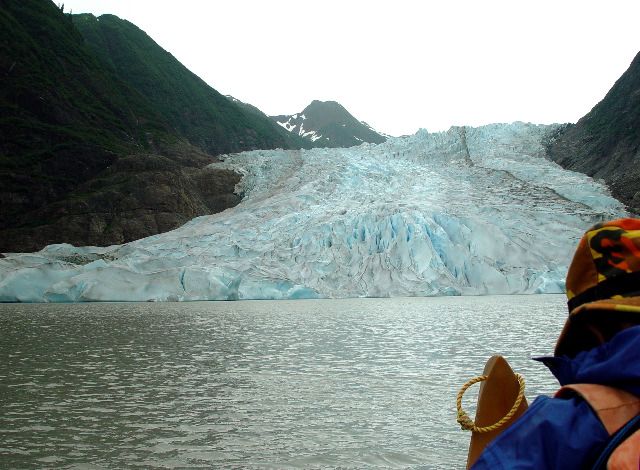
(463, 212)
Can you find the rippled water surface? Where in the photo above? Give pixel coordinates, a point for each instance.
(334, 384)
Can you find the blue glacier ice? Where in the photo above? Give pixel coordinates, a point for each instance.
(469, 211)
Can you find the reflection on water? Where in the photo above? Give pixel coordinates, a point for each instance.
(361, 383)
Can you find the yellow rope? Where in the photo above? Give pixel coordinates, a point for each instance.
(465, 421)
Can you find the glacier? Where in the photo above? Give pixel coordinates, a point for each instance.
(469, 211)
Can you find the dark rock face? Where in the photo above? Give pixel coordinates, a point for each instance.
(605, 143)
(135, 197)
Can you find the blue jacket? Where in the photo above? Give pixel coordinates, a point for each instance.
(565, 433)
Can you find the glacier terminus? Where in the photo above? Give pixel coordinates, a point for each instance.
(469, 211)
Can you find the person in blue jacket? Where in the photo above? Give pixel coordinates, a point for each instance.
(599, 344)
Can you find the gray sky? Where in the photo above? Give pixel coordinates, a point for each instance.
(399, 65)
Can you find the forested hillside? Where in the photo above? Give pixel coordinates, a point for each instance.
(89, 158)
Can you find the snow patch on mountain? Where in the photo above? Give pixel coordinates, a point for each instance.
(465, 212)
(288, 125)
(302, 132)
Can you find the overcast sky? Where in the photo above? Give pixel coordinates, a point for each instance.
(399, 65)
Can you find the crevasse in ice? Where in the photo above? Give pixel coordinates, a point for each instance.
(469, 211)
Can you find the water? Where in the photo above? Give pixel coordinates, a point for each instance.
(320, 384)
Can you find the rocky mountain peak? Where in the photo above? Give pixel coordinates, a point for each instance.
(329, 124)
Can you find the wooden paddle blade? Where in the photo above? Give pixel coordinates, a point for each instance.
(498, 394)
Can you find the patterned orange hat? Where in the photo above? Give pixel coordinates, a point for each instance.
(604, 275)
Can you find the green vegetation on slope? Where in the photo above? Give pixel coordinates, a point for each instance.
(86, 158)
(63, 117)
(198, 112)
(55, 86)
